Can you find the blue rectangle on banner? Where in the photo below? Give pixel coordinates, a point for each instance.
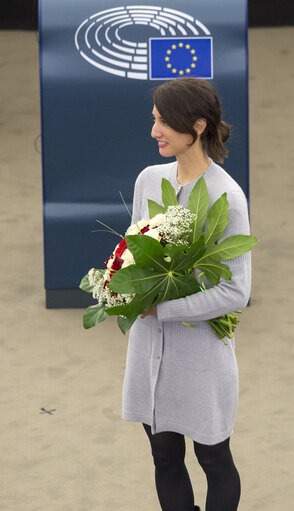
(180, 56)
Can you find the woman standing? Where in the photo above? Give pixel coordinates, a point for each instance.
(180, 380)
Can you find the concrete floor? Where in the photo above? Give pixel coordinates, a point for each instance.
(84, 457)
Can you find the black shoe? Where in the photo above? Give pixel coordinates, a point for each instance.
(197, 508)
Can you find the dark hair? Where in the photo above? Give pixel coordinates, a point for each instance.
(182, 101)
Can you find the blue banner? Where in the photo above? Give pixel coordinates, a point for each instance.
(99, 63)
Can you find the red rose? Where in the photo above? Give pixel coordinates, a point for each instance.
(121, 248)
(145, 229)
(117, 263)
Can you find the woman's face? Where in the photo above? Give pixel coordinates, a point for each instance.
(170, 142)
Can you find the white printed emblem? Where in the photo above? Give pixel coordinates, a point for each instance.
(187, 43)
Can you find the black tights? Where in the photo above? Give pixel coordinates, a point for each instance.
(172, 480)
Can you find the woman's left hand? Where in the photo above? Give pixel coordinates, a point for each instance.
(151, 312)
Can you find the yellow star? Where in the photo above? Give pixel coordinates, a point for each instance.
(181, 72)
(192, 51)
(181, 45)
(193, 65)
(174, 70)
(174, 46)
(187, 46)
(166, 58)
(194, 58)
(169, 65)
(188, 70)
(168, 51)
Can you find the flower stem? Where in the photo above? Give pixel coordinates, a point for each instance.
(121, 195)
(110, 228)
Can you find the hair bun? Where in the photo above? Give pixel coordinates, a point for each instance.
(224, 130)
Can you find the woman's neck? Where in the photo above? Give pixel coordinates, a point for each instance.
(191, 164)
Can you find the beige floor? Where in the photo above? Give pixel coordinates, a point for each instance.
(84, 457)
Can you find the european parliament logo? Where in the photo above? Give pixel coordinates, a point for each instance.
(178, 57)
(144, 42)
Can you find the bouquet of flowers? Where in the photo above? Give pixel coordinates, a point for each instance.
(158, 259)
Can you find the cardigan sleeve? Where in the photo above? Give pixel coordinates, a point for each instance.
(137, 200)
(229, 295)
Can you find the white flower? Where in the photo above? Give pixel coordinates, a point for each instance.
(106, 297)
(107, 274)
(110, 262)
(157, 220)
(90, 277)
(142, 223)
(133, 229)
(153, 233)
(127, 258)
(177, 226)
(94, 276)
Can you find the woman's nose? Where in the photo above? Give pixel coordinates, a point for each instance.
(154, 131)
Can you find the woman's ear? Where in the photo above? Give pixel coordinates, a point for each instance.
(200, 126)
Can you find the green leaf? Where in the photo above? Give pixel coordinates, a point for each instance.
(167, 286)
(124, 323)
(217, 219)
(214, 270)
(154, 208)
(169, 197)
(84, 284)
(134, 280)
(139, 304)
(94, 314)
(198, 203)
(152, 286)
(178, 286)
(147, 252)
(229, 248)
(174, 254)
(194, 253)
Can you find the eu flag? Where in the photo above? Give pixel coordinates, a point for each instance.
(180, 56)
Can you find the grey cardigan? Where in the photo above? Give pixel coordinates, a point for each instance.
(179, 378)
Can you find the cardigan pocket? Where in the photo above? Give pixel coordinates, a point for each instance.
(190, 348)
(140, 339)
